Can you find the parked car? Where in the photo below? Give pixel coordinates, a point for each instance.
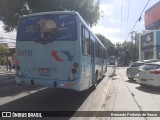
(149, 74)
(133, 69)
(150, 60)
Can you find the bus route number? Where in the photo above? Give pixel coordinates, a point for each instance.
(24, 53)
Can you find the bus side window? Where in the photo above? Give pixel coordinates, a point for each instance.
(96, 48)
(85, 35)
(92, 47)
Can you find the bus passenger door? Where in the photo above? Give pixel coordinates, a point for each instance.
(92, 62)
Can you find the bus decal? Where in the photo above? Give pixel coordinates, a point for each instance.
(47, 27)
(67, 53)
(26, 72)
(56, 57)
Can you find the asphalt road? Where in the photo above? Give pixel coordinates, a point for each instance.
(27, 98)
(115, 93)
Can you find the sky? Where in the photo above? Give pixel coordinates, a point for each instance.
(119, 17)
(3, 34)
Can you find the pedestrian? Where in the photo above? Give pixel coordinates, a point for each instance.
(10, 65)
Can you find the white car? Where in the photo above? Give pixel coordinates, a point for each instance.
(149, 74)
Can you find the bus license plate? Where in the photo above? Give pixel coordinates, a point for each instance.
(44, 71)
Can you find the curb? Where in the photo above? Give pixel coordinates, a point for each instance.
(108, 91)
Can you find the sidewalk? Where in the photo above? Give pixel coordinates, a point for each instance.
(126, 100)
(6, 77)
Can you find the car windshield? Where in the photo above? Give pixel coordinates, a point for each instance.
(136, 64)
(150, 67)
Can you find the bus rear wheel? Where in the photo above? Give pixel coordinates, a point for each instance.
(95, 83)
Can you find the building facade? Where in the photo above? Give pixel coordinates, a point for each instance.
(149, 45)
(152, 17)
(149, 41)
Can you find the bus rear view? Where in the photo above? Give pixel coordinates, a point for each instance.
(46, 50)
(112, 60)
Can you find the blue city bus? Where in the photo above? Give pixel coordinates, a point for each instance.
(58, 50)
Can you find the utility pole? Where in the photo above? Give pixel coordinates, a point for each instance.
(136, 43)
(118, 47)
(133, 52)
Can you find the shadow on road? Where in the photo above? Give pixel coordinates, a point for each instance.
(149, 89)
(45, 100)
(48, 100)
(14, 89)
(101, 79)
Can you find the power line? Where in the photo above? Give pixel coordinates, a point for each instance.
(131, 30)
(143, 11)
(128, 16)
(121, 18)
(139, 19)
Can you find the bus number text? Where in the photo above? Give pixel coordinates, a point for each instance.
(24, 52)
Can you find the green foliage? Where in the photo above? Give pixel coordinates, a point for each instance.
(129, 52)
(3, 51)
(11, 10)
(127, 46)
(108, 44)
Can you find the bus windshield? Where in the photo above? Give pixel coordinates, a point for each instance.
(56, 27)
(112, 58)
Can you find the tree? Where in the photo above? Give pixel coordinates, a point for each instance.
(4, 51)
(108, 44)
(11, 10)
(127, 52)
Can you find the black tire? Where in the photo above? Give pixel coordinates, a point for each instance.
(95, 83)
(143, 85)
(130, 78)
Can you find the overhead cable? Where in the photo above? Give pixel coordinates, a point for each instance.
(138, 20)
(128, 16)
(121, 18)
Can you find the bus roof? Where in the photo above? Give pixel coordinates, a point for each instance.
(52, 12)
